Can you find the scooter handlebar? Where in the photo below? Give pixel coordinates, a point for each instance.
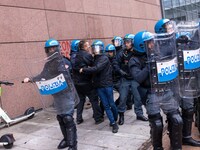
(6, 83)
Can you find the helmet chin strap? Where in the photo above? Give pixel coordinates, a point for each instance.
(130, 49)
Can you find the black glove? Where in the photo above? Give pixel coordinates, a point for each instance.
(123, 73)
(147, 66)
(183, 39)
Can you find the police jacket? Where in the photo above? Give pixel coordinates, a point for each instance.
(123, 60)
(115, 68)
(102, 71)
(83, 59)
(114, 63)
(118, 51)
(72, 58)
(139, 70)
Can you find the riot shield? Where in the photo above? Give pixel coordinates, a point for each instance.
(163, 70)
(188, 46)
(52, 77)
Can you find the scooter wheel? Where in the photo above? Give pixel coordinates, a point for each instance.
(30, 111)
(8, 138)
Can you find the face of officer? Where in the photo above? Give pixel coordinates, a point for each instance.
(117, 43)
(128, 44)
(169, 27)
(111, 54)
(150, 44)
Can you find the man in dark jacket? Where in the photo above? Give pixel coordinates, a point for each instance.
(102, 71)
(84, 85)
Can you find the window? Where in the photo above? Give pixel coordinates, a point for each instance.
(181, 10)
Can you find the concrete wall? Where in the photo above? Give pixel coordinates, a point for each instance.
(26, 24)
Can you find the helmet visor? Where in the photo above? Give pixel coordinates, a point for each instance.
(170, 27)
(97, 49)
(117, 43)
(127, 41)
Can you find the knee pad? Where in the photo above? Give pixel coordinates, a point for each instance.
(156, 124)
(69, 121)
(175, 119)
(175, 125)
(188, 112)
(156, 121)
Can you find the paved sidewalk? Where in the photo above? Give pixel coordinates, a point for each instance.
(43, 133)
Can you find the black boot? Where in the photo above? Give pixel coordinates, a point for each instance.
(187, 116)
(117, 102)
(63, 143)
(115, 128)
(175, 125)
(121, 118)
(72, 148)
(156, 125)
(71, 132)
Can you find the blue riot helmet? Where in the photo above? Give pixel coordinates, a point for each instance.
(117, 41)
(111, 50)
(164, 26)
(74, 45)
(97, 47)
(140, 40)
(51, 43)
(129, 38)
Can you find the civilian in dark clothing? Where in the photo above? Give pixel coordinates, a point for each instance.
(84, 85)
(102, 71)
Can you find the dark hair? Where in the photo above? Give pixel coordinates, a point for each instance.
(81, 44)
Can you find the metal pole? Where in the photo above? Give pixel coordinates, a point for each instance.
(162, 9)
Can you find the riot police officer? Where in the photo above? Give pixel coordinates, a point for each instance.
(160, 85)
(102, 71)
(127, 82)
(74, 50)
(165, 29)
(64, 100)
(111, 53)
(188, 45)
(117, 41)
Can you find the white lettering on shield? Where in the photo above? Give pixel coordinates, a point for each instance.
(168, 70)
(52, 86)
